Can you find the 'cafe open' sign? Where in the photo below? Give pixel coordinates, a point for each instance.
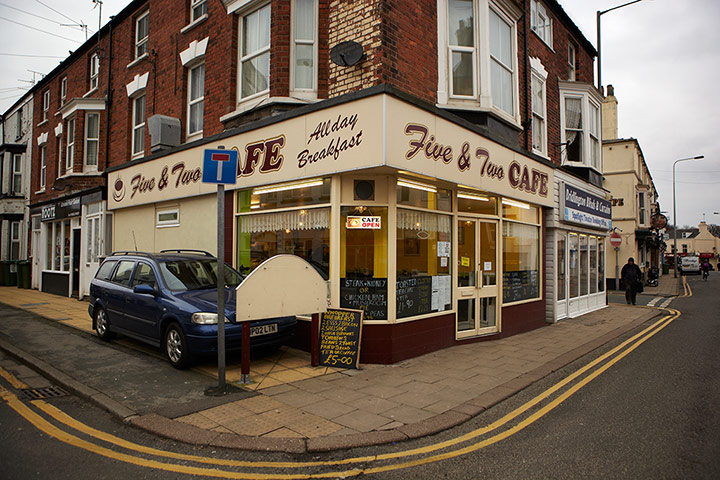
(367, 223)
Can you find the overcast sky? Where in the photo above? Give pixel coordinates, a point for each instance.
(662, 57)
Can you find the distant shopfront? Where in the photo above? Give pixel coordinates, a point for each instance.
(575, 248)
(432, 229)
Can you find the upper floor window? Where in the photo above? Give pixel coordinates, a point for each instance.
(477, 58)
(571, 62)
(540, 22)
(142, 25)
(70, 146)
(63, 91)
(642, 214)
(92, 140)
(43, 166)
(138, 132)
(19, 124)
(539, 130)
(198, 8)
(17, 174)
(304, 49)
(255, 53)
(196, 99)
(94, 71)
(580, 119)
(46, 104)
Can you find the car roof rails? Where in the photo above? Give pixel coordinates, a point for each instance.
(131, 252)
(187, 250)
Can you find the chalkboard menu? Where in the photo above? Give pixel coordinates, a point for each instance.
(520, 285)
(340, 335)
(366, 294)
(423, 294)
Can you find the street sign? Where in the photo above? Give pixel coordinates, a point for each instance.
(615, 240)
(220, 166)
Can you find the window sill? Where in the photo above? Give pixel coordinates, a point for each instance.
(257, 102)
(191, 137)
(90, 92)
(191, 25)
(40, 191)
(137, 156)
(474, 106)
(42, 123)
(138, 60)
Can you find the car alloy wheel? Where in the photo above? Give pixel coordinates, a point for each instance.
(102, 327)
(176, 347)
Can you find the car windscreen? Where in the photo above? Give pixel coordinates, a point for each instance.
(192, 274)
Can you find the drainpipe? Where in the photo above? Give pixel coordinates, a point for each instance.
(528, 90)
(108, 100)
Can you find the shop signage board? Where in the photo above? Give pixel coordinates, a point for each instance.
(580, 207)
(364, 223)
(63, 209)
(340, 337)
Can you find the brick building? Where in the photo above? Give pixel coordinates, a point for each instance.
(453, 124)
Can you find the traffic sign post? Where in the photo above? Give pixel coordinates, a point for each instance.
(616, 241)
(220, 167)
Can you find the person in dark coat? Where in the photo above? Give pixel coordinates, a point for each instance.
(631, 277)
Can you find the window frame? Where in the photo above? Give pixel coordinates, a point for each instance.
(167, 223)
(94, 79)
(70, 145)
(15, 240)
(43, 167)
(242, 58)
(17, 174)
(194, 5)
(141, 44)
(63, 91)
(541, 23)
(200, 100)
(538, 74)
(588, 98)
(138, 128)
(303, 92)
(571, 60)
(482, 98)
(46, 104)
(88, 139)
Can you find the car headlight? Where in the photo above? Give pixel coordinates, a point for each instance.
(204, 318)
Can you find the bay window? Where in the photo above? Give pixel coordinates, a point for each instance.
(580, 119)
(477, 56)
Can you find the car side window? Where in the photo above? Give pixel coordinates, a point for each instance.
(105, 270)
(123, 272)
(144, 275)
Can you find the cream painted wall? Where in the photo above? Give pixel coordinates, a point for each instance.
(197, 229)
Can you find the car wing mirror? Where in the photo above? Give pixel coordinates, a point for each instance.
(144, 289)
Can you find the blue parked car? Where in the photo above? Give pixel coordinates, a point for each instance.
(169, 299)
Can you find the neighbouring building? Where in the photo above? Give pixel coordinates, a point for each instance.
(635, 209)
(15, 153)
(695, 241)
(416, 153)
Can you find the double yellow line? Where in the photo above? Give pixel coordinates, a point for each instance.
(477, 439)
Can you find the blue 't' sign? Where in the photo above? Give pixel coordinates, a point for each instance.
(220, 166)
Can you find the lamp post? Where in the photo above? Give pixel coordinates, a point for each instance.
(675, 256)
(599, 14)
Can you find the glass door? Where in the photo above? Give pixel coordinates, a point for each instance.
(477, 260)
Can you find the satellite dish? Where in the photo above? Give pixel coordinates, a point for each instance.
(347, 53)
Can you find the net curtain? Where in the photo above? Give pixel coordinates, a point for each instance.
(318, 218)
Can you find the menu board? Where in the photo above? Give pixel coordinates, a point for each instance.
(520, 285)
(340, 335)
(420, 295)
(366, 294)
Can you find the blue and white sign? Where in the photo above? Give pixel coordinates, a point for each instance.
(583, 208)
(220, 166)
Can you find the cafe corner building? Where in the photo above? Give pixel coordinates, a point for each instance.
(409, 213)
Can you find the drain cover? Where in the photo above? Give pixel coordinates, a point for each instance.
(45, 392)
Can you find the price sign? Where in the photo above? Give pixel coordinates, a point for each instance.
(340, 335)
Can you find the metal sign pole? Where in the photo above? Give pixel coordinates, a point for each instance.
(221, 284)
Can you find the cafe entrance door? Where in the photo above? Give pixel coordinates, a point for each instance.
(478, 312)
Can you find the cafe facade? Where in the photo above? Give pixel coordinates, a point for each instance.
(412, 215)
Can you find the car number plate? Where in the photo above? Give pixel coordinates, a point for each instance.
(263, 330)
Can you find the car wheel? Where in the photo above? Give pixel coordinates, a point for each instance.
(176, 346)
(102, 326)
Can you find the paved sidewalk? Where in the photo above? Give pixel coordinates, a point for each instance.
(302, 408)
(668, 286)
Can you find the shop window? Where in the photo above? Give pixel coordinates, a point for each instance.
(519, 211)
(521, 262)
(471, 202)
(574, 265)
(560, 266)
(584, 271)
(285, 195)
(363, 260)
(601, 265)
(415, 194)
(93, 229)
(593, 265)
(254, 53)
(303, 232)
(58, 246)
(424, 271)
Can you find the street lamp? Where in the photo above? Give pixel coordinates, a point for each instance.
(600, 13)
(675, 257)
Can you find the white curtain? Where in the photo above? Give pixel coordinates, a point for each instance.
(318, 218)
(573, 118)
(430, 222)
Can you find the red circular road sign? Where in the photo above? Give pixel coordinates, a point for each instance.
(615, 239)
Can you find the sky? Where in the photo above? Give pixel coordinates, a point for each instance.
(661, 56)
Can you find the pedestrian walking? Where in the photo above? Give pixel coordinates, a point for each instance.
(631, 277)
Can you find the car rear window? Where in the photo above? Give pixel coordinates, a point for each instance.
(105, 270)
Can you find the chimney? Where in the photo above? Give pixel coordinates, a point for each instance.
(610, 115)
